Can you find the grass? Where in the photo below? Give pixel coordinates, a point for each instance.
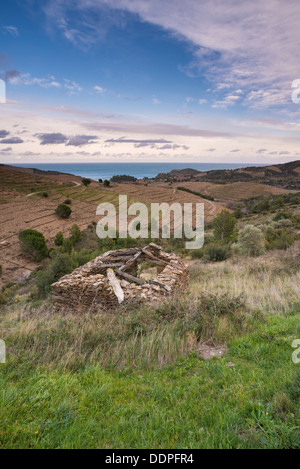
(134, 378)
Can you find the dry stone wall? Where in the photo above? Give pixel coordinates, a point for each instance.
(110, 279)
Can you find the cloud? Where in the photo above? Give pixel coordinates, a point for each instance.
(202, 101)
(52, 138)
(235, 150)
(99, 89)
(252, 45)
(80, 140)
(3, 133)
(14, 77)
(261, 151)
(133, 140)
(155, 100)
(211, 149)
(58, 139)
(8, 149)
(157, 129)
(72, 86)
(12, 30)
(12, 140)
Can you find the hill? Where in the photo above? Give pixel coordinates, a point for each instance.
(286, 176)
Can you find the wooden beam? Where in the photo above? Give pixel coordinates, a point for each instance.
(129, 277)
(115, 283)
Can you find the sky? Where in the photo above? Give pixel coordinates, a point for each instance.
(150, 81)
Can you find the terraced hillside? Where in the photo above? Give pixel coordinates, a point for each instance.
(22, 206)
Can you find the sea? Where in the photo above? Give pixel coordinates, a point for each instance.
(103, 171)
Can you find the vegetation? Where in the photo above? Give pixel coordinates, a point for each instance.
(224, 226)
(252, 241)
(123, 178)
(33, 244)
(199, 194)
(63, 211)
(106, 183)
(86, 182)
(66, 380)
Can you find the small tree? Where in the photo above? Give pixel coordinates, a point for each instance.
(75, 234)
(100, 181)
(224, 226)
(106, 183)
(63, 211)
(86, 182)
(252, 241)
(59, 239)
(33, 244)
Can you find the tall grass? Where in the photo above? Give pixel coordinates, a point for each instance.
(269, 283)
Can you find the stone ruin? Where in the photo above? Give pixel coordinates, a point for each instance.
(111, 279)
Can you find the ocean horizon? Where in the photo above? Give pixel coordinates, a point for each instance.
(103, 171)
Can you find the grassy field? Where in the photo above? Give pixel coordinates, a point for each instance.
(136, 379)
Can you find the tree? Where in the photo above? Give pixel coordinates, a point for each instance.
(75, 234)
(59, 239)
(106, 183)
(100, 181)
(86, 182)
(33, 244)
(252, 241)
(63, 211)
(224, 226)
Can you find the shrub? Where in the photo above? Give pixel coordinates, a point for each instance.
(67, 202)
(123, 178)
(106, 183)
(216, 252)
(33, 244)
(59, 239)
(0, 270)
(75, 234)
(45, 195)
(100, 181)
(86, 182)
(197, 253)
(63, 211)
(252, 241)
(67, 246)
(224, 226)
(280, 240)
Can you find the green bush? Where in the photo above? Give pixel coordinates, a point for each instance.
(106, 183)
(216, 252)
(59, 239)
(280, 239)
(67, 246)
(68, 202)
(75, 234)
(86, 182)
(252, 241)
(33, 244)
(63, 211)
(197, 253)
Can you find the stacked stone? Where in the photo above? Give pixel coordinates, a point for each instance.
(89, 288)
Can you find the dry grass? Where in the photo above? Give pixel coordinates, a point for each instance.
(269, 283)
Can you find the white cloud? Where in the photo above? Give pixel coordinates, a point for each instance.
(12, 30)
(99, 89)
(253, 45)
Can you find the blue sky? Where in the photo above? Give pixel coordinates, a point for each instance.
(149, 80)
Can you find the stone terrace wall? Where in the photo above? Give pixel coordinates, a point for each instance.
(107, 280)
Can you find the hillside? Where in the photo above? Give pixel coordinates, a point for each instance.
(286, 176)
(23, 206)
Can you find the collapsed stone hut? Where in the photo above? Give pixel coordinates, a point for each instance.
(111, 279)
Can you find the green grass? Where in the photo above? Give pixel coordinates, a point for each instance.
(190, 403)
